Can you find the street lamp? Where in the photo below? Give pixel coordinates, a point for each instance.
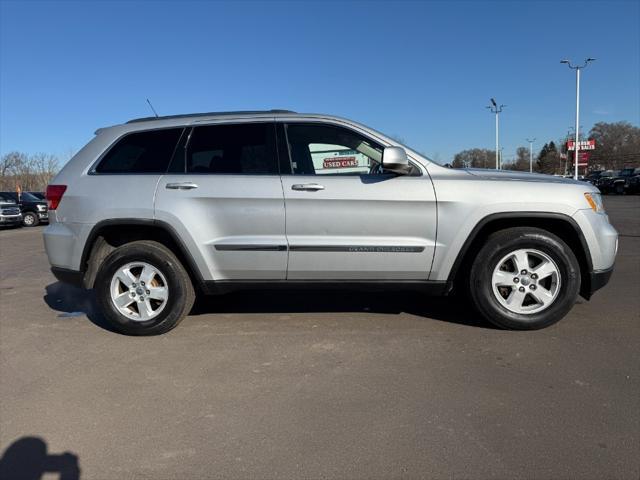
(496, 109)
(577, 68)
(531, 154)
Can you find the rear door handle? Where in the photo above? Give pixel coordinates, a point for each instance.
(307, 187)
(181, 186)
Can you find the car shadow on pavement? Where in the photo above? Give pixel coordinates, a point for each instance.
(27, 459)
(73, 301)
(453, 309)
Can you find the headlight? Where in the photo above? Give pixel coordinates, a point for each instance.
(595, 201)
(42, 207)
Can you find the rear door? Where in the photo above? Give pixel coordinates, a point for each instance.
(345, 217)
(224, 197)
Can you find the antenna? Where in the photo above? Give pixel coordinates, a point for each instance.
(153, 109)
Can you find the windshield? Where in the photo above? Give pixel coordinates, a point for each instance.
(27, 197)
(6, 199)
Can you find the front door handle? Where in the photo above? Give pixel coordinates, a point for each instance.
(307, 187)
(181, 186)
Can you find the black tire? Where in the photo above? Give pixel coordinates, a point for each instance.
(500, 244)
(30, 219)
(619, 189)
(181, 293)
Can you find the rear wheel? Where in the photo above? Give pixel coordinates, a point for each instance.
(619, 189)
(143, 289)
(30, 219)
(524, 279)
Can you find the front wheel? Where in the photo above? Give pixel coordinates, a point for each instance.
(30, 219)
(143, 289)
(524, 279)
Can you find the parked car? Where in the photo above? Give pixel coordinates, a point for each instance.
(633, 183)
(10, 215)
(33, 209)
(615, 181)
(592, 177)
(155, 210)
(39, 195)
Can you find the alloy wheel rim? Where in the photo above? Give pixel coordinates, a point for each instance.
(526, 281)
(28, 219)
(139, 291)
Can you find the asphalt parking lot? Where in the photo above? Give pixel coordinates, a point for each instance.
(318, 384)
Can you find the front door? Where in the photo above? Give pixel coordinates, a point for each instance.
(224, 195)
(347, 219)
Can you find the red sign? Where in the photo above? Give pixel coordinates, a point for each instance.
(340, 162)
(583, 161)
(583, 145)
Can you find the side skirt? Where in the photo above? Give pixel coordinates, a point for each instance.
(431, 288)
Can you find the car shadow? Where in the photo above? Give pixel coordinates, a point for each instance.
(73, 301)
(454, 309)
(27, 459)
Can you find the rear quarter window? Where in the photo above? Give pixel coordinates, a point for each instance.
(141, 152)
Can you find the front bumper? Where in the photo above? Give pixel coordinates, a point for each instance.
(10, 219)
(598, 279)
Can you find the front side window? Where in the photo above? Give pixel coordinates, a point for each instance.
(232, 149)
(141, 152)
(328, 150)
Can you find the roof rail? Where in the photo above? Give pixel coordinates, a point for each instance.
(209, 114)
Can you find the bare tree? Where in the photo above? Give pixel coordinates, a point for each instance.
(474, 158)
(617, 145)
(18, 170)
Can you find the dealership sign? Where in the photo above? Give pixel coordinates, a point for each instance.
(340, 162)
(582, 145)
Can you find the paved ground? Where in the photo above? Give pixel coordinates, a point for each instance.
(319, 385)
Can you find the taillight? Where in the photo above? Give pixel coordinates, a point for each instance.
(54, 195)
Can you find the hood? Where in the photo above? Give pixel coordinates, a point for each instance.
(519, 176)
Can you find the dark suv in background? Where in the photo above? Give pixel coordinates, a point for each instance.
(618, 181)
(33, 209)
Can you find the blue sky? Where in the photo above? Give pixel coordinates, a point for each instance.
(422, 71)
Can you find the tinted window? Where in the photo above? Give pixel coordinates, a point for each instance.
(247, 149)
(27, 197)
(328, 150)
(142, 152)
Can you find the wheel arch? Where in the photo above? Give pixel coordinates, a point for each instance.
(558, 224)
(107, 235)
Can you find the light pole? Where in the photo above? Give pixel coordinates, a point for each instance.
(531, 154)
(577, 68)
(497, 109)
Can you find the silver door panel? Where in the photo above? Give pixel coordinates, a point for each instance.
(236, 222)
(360, 227)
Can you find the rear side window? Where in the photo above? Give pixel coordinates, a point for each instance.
(141, 152)
(233, 149)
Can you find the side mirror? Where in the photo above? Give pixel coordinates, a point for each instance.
(394, 159)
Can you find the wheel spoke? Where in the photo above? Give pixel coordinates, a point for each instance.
(542, 295)
(521, 259)
(145, 310)
(516, 298)
(126, 277)
(545, 269)
(157, 293)
(123, 300)
(148, 272)
(503, 279)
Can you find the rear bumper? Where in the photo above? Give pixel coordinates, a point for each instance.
(65, 275)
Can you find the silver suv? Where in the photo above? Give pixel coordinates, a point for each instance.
(150, 212)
